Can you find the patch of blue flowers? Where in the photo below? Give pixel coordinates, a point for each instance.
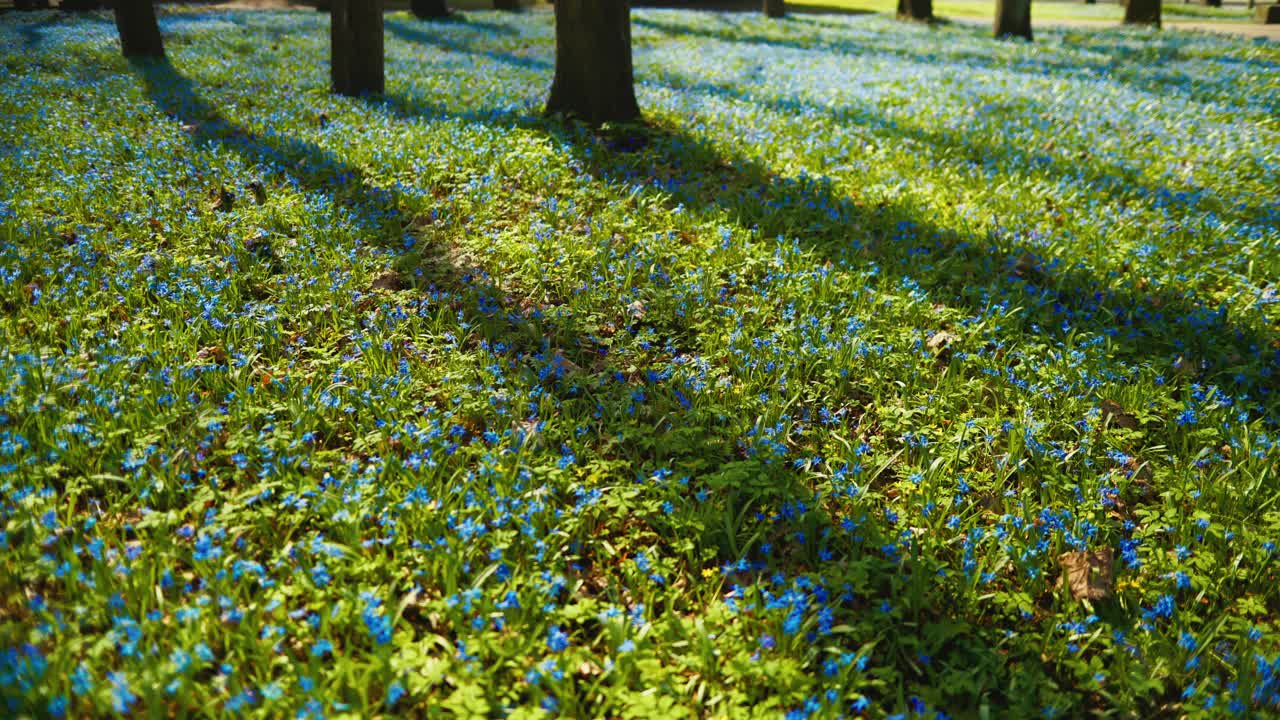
(798, 400)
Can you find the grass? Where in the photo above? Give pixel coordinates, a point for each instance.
(790, 401)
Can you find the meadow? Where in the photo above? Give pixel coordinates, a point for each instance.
(802, 399)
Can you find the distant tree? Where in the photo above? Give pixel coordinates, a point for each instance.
(429, 8)
(593, 78)
(1142, 12)
(1013, 18)
(80, 5)
(506, 4)
(355, 32)
(139, 29)
(775, 8)
(919, 10)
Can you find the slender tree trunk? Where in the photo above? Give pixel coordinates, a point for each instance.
(919, 10)
(1142, 12)
(1013, 18)
(429, 8)
(593, 80)
(506, 4)
(139, 29)
(775, 8)
(79, 5)
(356, 35)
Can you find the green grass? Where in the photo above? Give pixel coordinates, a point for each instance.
(788, 401)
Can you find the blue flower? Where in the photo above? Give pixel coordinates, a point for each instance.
(122, 698)
(557, 639)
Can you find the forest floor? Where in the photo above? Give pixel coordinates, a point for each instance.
(885, 370)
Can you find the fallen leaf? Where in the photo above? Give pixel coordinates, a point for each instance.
(941, 341)
(564, 363)
(1026, 265)
(212, 352)
(389, 280)
(1088, 574)
(1113, 413)
(223, 200)
(259, 192)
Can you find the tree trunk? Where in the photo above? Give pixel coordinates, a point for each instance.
(80, 5)
(593, 80)
(139, 29)
(775, 8)
(1013, 18)
(920, 10)
(429, 8)
(356, 35)
(1142, 12)
(506, 4)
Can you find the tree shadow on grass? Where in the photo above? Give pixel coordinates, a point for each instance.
(1099, 55)
(1114, 179)
(937, 631)
(1145, 327)
(854, 568)
(671, 433)
(420, 33)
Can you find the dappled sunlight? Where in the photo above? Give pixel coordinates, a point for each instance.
(803, 396)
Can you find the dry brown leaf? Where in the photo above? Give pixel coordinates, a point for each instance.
(1088, 574)
(1117, 416)
(940, 341)
(223, 200)
(389, 280)
(212, 352)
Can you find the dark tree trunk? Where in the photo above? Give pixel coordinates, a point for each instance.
(593, 79)
(356, 35)
(1013, 18)
(920, 10)
(1142, 12)
(775, 8)
(139, 30)
(80, 5)
(506, 4)
(429, 8)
